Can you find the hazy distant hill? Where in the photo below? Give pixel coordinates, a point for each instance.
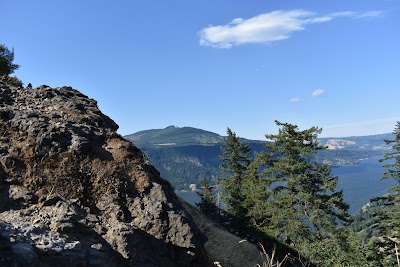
(350, 150)
(184, 155)
(175, 136)
(179, 136)
(374, 142)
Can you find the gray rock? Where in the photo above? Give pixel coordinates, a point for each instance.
(75, 245)
(97, 246)
(21, 193)
(64, 227)
(86, 196)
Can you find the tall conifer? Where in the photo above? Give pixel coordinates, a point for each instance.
(389, 216)
(208, 201)
(235, 160)
(303, 203)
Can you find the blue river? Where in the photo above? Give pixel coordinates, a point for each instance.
(359, 182)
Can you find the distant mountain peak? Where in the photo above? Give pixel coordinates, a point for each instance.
(177, 136)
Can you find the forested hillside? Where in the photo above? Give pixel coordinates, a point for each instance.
(186, 155)
(283, 192)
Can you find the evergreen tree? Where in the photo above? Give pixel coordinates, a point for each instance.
(389, 215)
(256, 192)
(284, 193)
(7, 66)
(235, 160)
(208, 199)
(302, 202)
(6, 61)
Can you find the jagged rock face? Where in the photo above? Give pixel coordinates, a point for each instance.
(74, 192)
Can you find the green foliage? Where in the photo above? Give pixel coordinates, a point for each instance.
(6, 61)
(184, 165)
(208, 199)
(365, 222)
(302, 201)
(340, 250)
(378, 223)
(382, 246)
(184, 155)
(235, 160)
(13, 80)
(256, 194)
(393, 167)
(7, 66)
(283, 193)
(286, 192)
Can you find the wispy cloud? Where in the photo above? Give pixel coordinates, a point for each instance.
(318, 92)
(269, 27)
(368, 127)
(357, 15)
(295, 100)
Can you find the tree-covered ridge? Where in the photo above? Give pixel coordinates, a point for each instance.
(185, 155)
(185, 165)
(183, 136)
(175, 136)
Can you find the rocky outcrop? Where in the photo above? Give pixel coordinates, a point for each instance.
(333, 144)
(74, 192)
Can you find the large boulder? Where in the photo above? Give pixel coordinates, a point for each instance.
(74, 192)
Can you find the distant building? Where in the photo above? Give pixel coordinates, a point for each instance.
(193, 187)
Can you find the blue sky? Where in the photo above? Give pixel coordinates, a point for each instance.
(217, 64)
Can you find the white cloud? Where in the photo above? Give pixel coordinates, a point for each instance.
(357, 15)
(318, 92)
(295, 100)
(369, 14)
(268, 27)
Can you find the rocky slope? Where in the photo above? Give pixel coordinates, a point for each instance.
(74, 192)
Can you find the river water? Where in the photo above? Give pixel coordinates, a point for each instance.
(359, 182)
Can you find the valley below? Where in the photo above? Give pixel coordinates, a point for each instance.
(186, 155)
(359, 182)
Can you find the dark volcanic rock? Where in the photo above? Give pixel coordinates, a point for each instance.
(74, 192)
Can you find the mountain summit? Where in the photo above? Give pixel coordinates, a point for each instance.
(175, 136)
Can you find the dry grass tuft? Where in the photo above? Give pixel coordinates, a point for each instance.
(270, 261)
